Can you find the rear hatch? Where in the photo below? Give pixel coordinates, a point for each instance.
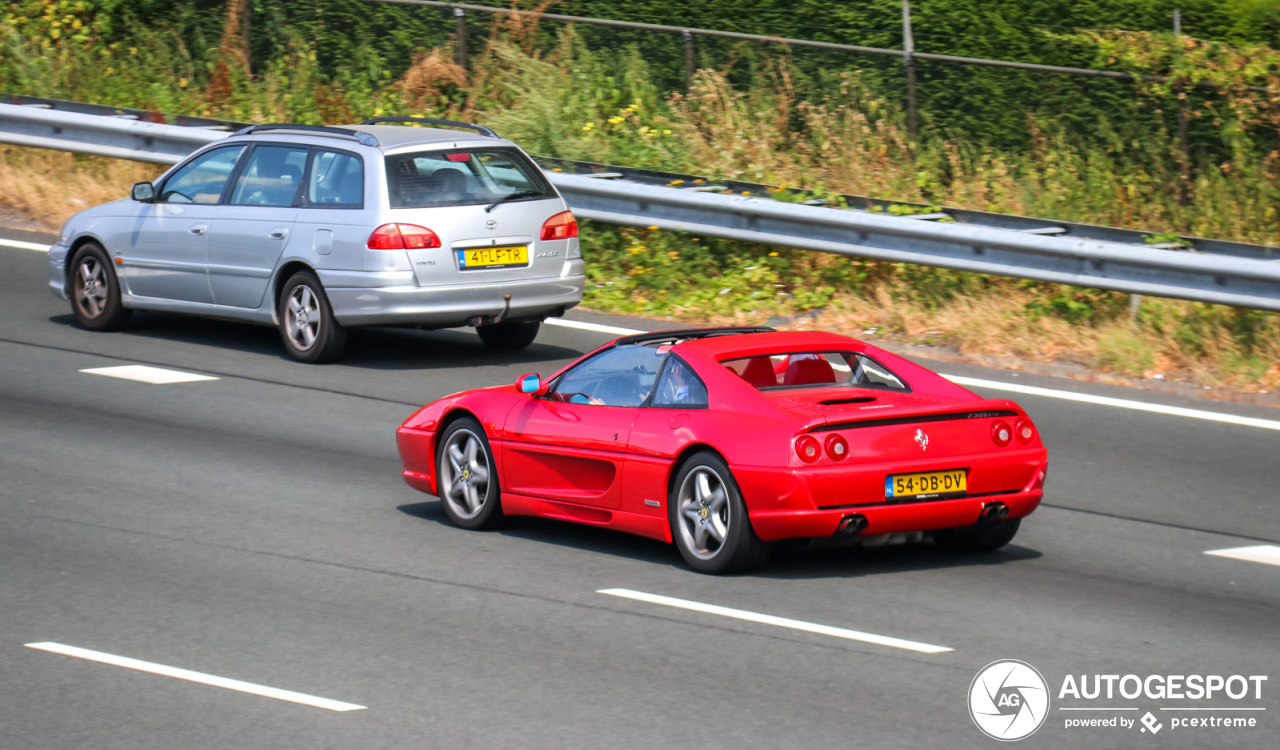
(468, 241)
(486, 204)
(883, 426)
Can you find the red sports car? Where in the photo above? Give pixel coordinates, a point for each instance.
(725, 440)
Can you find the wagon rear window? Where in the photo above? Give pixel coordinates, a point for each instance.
(462, 177)
(815, 369)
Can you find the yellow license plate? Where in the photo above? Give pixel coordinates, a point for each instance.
(928, 484)
(493, 257)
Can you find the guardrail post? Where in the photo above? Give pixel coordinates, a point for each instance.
(688, 60)
(460, 50)
(908, 60)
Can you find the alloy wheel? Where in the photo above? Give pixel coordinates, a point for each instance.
(464, 474)
(702, 507)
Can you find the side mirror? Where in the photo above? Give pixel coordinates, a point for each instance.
(143, 192)
(529, 383)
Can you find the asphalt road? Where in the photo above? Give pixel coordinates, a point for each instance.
(255, 527)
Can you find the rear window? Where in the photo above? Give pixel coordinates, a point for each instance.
(462, 177)
(815, 369)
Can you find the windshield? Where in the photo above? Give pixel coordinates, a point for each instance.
(463, 177)
(815, 369)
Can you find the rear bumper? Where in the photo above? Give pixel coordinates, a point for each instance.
(890, 519)
(793, 503)
(448, 306)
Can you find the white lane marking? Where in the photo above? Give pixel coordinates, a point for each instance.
(1267, 554)
(1121, 403)
(25, 245)
(144, 374)
(583, 326)
(186, 674)
(782, 622)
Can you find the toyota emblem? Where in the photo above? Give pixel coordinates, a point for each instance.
(491, 224)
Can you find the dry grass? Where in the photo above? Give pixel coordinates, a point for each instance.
(50, 186)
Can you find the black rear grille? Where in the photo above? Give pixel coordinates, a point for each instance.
(890, 421)
(969, 496)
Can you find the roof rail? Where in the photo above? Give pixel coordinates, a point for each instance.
(689, 334)
(482, 130)
(358, 135)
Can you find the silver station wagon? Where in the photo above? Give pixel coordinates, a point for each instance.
(317, 229)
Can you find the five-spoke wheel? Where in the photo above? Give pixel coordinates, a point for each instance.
(307, 325)
(466, 476)
(709, 519)
(95, 291)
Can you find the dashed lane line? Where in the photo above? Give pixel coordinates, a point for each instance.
(200, 677)
(782, 622)
(146, 374)
(1267, 554)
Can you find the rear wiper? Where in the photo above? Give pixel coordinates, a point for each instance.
(511, 197)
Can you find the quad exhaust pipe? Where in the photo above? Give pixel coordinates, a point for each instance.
(852, 525)
(995, 512)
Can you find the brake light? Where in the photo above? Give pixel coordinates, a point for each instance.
(1001, 434)
(1024, 430)
(808, 449)
(562, 226)
(458, 158)
(837, 448)
(402, 237)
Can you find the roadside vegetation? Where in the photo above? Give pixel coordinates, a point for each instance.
(756, 117)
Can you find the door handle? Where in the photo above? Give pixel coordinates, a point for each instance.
(278, 234)
(199, 229)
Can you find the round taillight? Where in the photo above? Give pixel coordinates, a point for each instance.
(1001, 433)
(837, 448)
(808, 449)
(1024, 430)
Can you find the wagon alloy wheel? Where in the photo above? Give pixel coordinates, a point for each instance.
(466, 476)
(307, 326)
(703, 512)
(302, 315)
(709, 520)
(95, 291)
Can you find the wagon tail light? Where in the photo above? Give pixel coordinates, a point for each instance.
(808, 449)
(402, 237)
(562, 226)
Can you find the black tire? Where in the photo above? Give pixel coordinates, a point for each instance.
(984, 537)
(458, 476)
(307, 326)
(94, 290)
(510, 336)
(697, 518)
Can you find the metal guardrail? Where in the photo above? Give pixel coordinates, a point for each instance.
(1237, 274)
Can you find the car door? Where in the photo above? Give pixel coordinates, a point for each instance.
(571, 445)
(332, 225)
(164, 254)
(252, 230)
(676, 415)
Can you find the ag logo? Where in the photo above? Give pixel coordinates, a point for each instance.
(1008, 700)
